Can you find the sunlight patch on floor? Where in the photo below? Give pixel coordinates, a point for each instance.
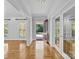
(39, 49)
(5, 49)
(22, 51)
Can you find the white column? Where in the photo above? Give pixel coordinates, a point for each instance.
(29, 34)
(61, 32)
(50, 32)
(53, 31)
(30, 30)
(33, 30)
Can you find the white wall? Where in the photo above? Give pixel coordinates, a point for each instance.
(13, 29)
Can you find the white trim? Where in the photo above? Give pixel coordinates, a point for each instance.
(68, 8)
(16, 39)
(62, 53)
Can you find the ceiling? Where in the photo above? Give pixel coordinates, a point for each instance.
(32, 8)
(70, 13)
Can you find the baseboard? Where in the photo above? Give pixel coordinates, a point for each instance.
(15, 41)
(62, 53)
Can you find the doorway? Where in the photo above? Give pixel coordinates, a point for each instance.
(39, 31)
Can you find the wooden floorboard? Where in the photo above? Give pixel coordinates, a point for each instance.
(19, 50)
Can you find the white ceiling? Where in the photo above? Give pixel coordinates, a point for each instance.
(32, 7)
(40, 6)
(11, 11)
(70, 13)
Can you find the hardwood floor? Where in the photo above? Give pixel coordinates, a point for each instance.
(37, 50)
(69, 48)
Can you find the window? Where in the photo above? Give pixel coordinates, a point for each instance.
(22, 30)
(39, 28)
(73, 28)
(5, 29)
(57, 32)
(69, 28)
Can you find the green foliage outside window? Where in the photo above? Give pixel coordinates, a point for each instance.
(73, 28)
(39, 28)
(5, 29)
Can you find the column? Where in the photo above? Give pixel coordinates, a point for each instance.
(29, 34)
(30, 30)
(61, 32)
(53, 31)
(50, 32)
(33, 30)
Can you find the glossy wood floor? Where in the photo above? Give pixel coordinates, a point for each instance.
(37, 50)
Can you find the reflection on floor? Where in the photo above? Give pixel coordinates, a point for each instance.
(37, 50)
(69, 48)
